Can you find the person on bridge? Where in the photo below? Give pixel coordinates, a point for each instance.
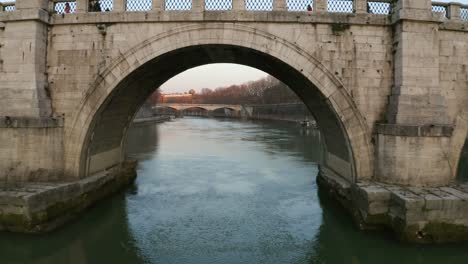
(67, 8)
(95, 6)
(309, 8)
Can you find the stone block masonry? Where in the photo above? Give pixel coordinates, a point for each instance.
(43, 206)
(415, 214)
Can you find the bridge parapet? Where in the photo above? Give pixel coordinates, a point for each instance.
(453, 10)
(7, 6)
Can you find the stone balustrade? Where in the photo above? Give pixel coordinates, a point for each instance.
(452, 11)
(7, 6)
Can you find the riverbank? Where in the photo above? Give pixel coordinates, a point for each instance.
(42, 207)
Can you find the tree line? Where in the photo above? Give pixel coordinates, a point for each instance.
(267, 90)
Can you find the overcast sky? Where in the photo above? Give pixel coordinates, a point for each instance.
(211, 76)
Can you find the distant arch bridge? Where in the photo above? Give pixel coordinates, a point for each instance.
(207, 107)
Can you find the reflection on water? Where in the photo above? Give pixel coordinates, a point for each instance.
(216, 191)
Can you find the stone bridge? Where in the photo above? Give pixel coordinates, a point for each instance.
(206, 107)
(387, 82)
(180, 109)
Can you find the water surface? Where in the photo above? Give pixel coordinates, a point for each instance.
(220, 191)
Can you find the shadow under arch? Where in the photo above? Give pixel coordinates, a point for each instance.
(194, 108)
(96, 134)
(222, 108)
(462, 174)
(168, 108)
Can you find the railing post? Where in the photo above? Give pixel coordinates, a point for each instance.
(198, 5)
(81, 6)
(159, 5)
(119, 6)
(320, 5)
(279, 5)
(360, 6)
(453, 11)
(420, 5)
(238, 5)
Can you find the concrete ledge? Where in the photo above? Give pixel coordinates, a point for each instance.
(454, 26)
(30, 122)
(420, 215)
(42, 207)
(24, 15)
(414, 131)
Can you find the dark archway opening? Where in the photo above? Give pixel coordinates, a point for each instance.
(462, 174)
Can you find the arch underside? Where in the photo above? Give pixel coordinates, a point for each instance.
(172, 109)
(462, 173)
(105, 146)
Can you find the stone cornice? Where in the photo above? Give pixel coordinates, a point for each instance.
(414, 130)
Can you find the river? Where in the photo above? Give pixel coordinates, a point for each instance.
(220, 191)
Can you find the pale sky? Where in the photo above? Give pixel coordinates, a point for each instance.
(212, 76)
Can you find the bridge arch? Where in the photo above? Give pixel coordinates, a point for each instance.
(194, 107)
(171, 108)
(226, 107)
(96, 132)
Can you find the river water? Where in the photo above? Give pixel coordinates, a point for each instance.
(220, 191)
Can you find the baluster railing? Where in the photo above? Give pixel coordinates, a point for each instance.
(439, 7)
(178, 5)
(218, 5)
(379, 7)
(464, 12)
(453, 11)
(100, 5)
(299, 5)
(138, 5)
(60, 6)
(340, 6)
(258, 5)
(7, 6)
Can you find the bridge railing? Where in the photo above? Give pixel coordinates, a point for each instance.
(59, 6)
(8, 6)
(452, 11)
(379, 7)
(440, 7)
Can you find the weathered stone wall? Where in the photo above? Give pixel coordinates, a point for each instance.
(31, 150)
(23, 79)
(453, 66)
